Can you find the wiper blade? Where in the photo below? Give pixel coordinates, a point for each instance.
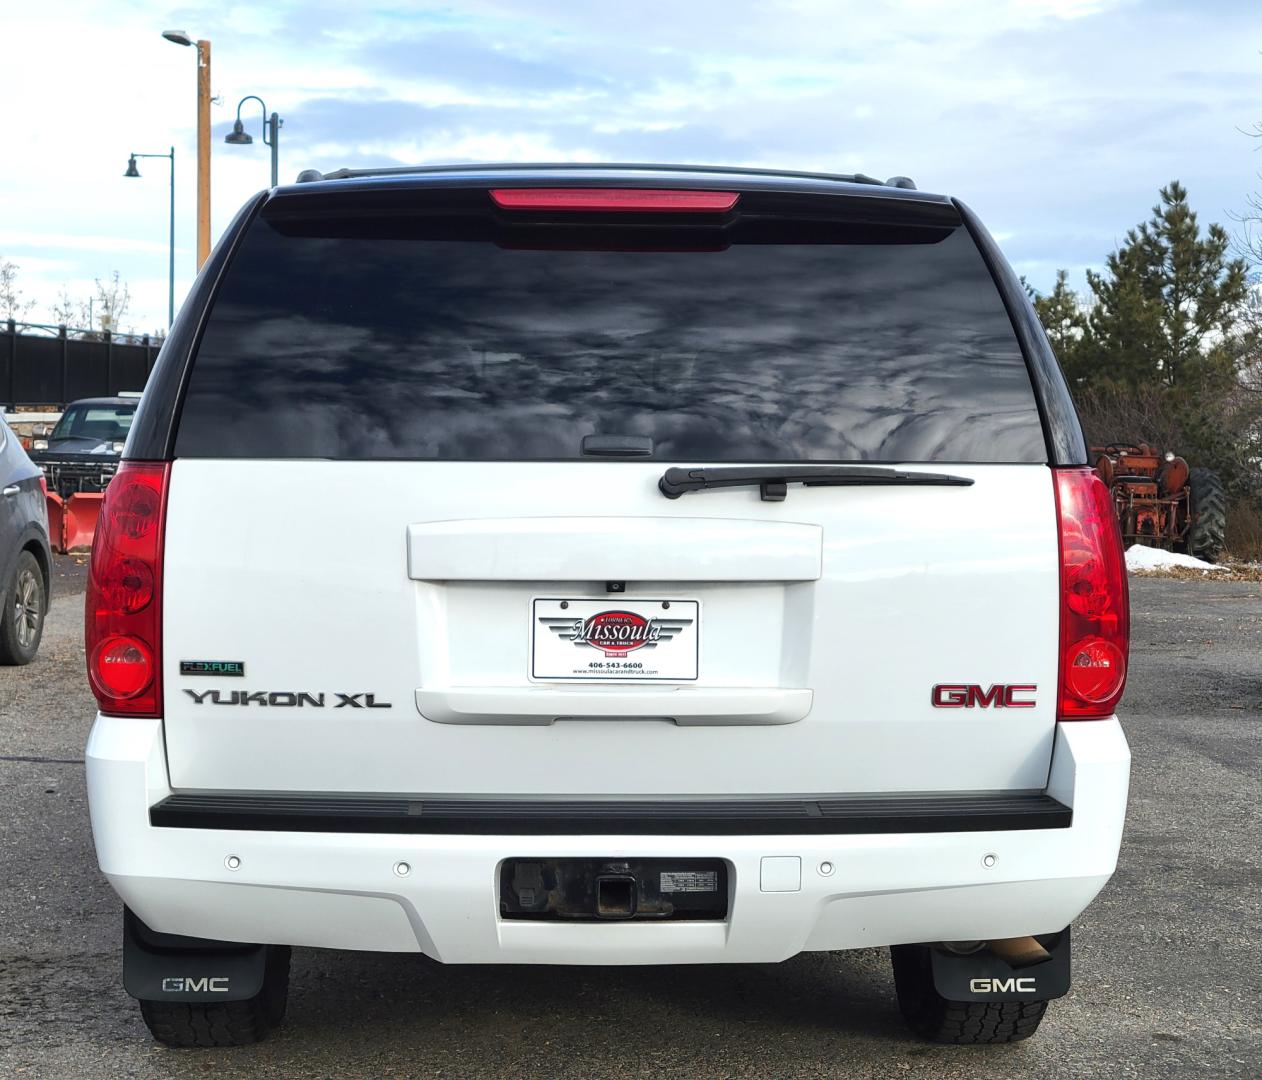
(773, 481)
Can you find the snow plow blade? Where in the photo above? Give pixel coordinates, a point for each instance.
(56, 514)
(79, 520)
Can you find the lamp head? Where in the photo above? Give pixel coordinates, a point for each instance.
(131, 167)
(179, 37)
(238, 136)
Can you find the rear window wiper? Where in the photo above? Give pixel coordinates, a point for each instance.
(773, 481)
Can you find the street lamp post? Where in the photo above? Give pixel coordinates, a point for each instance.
(132, 171)
(179, 37)
(271, 132)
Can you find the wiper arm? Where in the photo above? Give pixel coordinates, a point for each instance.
(773, 481)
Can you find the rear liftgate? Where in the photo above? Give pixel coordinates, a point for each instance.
(613, 889)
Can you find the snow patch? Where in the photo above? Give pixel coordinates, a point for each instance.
(1140, 557)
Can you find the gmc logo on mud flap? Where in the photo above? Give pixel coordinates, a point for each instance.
(972, 696)
(1001, 986)
(215, 985)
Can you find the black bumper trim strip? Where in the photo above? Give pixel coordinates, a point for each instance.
(454, 814)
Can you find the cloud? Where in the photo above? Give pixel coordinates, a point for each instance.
(421, 133)
(41, 240)
(463, 59)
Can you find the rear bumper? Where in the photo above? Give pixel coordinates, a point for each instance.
(344, 889)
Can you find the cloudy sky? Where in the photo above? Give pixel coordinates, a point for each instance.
(1056, 119)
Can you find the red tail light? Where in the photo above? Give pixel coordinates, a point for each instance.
(638, 200)
(1095, 601)
(124, 603)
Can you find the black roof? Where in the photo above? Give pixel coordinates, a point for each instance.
(632, 175)
(132, 401)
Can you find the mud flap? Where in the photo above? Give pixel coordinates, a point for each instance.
(170, 967)
(983, 976)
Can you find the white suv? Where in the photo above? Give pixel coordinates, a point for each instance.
(606, 565)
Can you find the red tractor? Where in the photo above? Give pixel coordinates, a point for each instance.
(1161, 501)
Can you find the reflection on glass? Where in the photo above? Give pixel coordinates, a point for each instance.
(378, 348)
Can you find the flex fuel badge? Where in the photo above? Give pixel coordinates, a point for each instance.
(233, 668)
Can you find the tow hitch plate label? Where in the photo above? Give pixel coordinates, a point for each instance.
(679, 881)
(617, 639)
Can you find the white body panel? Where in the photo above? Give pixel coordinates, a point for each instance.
(343, 890)
(722, 706)
(826, 620)
(623, 548)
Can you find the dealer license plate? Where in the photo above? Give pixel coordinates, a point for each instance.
(615, 640)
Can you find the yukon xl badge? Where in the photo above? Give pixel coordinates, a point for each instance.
(234, 668)
(285, 699)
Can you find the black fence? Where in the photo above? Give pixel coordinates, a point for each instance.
(53, 365)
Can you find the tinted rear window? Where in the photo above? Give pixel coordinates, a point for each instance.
(350, 338)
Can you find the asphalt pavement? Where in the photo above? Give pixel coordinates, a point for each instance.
(1167, 962)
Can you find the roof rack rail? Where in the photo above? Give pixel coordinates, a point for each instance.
(309, 175)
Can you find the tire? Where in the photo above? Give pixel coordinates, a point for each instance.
(1208, 533)
(234, 1023)
(963, 1023)
(22, 616)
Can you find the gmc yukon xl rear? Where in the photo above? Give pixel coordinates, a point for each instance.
(605, 565)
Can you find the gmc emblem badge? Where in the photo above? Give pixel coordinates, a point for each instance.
(972, 696)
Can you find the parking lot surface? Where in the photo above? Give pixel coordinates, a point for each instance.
(1167, 962)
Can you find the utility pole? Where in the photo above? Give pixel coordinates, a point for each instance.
(179, 37)
(203, 151)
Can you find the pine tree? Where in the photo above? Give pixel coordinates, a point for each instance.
(1062, 315)
(1168, 350)
(1167, 304)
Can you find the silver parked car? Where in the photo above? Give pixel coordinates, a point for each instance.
(25, 559)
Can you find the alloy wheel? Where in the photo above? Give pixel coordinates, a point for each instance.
(26, 608)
